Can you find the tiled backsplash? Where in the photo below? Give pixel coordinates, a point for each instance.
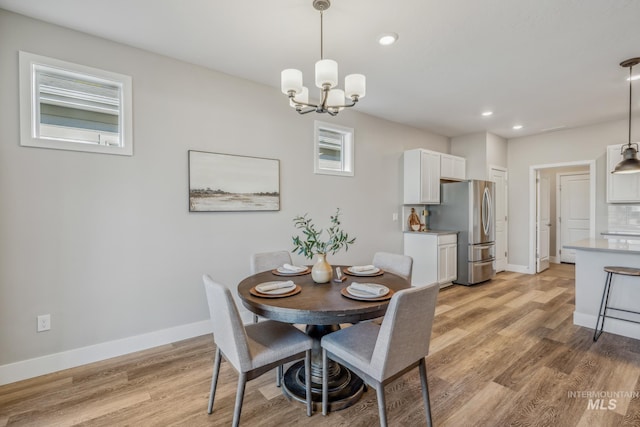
(624, 218)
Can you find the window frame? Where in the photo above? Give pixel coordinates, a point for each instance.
(31, 65)
(347, 152)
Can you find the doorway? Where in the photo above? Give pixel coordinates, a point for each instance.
(548, 243)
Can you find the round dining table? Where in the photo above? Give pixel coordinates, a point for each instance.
(322, 308)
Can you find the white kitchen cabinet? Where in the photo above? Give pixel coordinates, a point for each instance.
(421, 177)
(434, 257)
(447, 259)
(452, 167)
(623, 188)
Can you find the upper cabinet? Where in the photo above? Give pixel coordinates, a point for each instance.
(421, 177)
(452, 167)
(623, 188)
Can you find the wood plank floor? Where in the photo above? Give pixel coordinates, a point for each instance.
(502, 353)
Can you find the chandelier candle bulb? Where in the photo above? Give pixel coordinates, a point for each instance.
(355, 85)
(326, 73)
(301, 98)
(335, 99)
(291, 80)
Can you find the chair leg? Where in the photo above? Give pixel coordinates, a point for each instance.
(279, 373)
(603, 303)
(382, 410)
(307, 376)
(325, 381)
(214, 379)
(242, 382)
(425, 391)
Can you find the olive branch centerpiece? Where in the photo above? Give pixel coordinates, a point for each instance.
(313, 244)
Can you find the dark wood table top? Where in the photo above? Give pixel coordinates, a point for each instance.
(317, 304)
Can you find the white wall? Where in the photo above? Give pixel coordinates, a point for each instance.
(570, 145)
(106, 244)
(482, 150)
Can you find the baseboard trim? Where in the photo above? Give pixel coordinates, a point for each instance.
(30, 368)
(515, 268)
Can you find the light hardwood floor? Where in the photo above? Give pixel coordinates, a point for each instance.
(502, 353)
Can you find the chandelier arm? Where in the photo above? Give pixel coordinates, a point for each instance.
(301, 111)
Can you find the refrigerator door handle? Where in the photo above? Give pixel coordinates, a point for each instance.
(483, 263)
(486, 211)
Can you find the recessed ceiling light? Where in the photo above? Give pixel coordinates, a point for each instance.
(487, 113)
(517, 127)
(387, 39)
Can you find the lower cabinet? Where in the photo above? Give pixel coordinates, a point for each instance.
(435, 257)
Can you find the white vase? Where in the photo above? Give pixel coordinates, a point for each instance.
(321, 272)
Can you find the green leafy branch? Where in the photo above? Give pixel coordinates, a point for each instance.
(312, 243)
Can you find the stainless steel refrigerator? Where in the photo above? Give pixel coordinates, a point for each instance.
(469, 207)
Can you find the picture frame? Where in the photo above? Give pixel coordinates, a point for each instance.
(229, 183)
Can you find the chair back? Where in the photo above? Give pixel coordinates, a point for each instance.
(269, 260)
(401, 265)
(405, 331)
(228, 331)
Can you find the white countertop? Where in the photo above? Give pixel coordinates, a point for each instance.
(436, 232)
(607, 245)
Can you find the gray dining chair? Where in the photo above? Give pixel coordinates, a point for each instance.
(254, 349)
(266, 261)
(381, 353)
(402, 265)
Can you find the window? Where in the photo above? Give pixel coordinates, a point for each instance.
(333, 149)
(72, 107)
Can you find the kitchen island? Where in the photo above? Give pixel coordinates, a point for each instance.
(592, 255)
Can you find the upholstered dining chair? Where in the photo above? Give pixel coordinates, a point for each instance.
(266, 261)
(381, 353)
(254, 349)
(401, 265)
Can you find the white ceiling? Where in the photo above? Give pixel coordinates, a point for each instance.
(540, 63)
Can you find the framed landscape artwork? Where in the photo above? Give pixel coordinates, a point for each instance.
(225, 182)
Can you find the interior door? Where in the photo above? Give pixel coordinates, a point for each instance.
(499, 176)
(543, 222)
(574, 215)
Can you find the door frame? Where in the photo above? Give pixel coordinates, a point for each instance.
(506, 208)
(539, 225)
(532, 203)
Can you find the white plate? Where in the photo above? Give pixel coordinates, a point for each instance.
(364, 272)
(283, 270)
(275, 291)
(361, 294)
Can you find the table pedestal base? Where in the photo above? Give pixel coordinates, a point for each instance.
(345, 387)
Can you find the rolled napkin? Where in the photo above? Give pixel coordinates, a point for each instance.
(361, 268)
(293, 268)
(370, 288)
(272, 286)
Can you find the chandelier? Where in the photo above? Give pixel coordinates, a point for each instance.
(630, 162)
(332, 100)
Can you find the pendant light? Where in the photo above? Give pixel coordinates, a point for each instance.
(332, 100)
(629, 151)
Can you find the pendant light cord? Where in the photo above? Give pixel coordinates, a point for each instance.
(321, 35)
(630, 104)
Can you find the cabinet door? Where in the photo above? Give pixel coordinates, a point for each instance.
(442, 264)
(430, 177)
(623, 188)
(452, 167)
(459, 168)
(452, 263)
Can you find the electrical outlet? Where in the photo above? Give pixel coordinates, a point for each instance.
(44, 322)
